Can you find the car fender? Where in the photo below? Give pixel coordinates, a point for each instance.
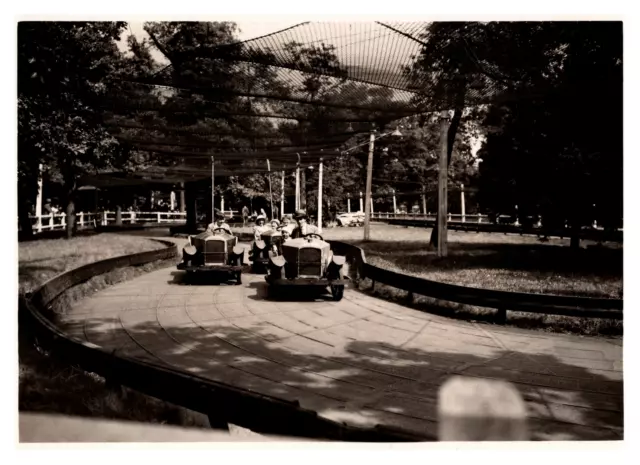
(238, 250)
(339, 259)
(278, 261)
(190, 249)
(260, 244)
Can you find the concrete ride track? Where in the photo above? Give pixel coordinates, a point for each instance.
(362, 361)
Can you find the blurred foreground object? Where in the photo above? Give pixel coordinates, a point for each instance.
(37, 427)
(472, 409)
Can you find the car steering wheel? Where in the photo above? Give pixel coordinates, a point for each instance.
(314, 235)
(220, 229)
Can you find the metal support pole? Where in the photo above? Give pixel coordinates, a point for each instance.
(320, 197)
(349, 204)
(443, 169)
(222, 203)
(298, 187)
(213, 190)
(39, 200)
(172, 200)
(368, 202)
(182, 198)
(361, 206)
(462, 206)
(424, 202)
(282, 196)
(394, 202)
(270, 191)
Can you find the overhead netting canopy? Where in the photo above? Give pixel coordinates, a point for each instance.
(294, 96)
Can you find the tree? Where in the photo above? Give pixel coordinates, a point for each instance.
(63, 71)
(560, 154)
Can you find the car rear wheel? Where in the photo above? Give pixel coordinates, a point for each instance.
(337, 291)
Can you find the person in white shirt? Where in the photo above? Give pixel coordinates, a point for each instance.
(259, 228)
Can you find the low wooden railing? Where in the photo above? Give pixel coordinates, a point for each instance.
(584, 307)
(258, 412)
(499, 416)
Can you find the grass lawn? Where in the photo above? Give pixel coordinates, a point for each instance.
(39, 261)
(51, 385)
(496, 261)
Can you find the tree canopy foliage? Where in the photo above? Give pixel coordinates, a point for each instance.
(552, 130)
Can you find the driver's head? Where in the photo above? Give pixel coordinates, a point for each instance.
(285, 234)
(285, 220)
(219, 218)
(301, 217)
(260, 220)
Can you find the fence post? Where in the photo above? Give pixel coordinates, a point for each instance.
(51, 221)
(462, 205)
(501, 316)
(82, 219)
(158, 217)
(104, 218)
(39, 223)
(473, 409)
(449, 216)
(63, 221)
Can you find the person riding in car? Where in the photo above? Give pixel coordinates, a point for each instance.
(287, 224)
(303, 227)
(259, 228)
(275, 224)
(286, 235)
(219, 224)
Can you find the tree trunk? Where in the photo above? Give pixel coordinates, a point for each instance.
(575, 234)
(23, 217)
(71, 217)
(192, 221)
(451, 137)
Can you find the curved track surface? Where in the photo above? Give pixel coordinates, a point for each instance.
(362, 360)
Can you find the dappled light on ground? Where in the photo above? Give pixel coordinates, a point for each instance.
(363, 361)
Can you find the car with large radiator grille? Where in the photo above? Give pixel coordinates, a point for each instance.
(214, 251)
(306, 261)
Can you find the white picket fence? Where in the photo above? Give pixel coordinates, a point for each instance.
(57, 221)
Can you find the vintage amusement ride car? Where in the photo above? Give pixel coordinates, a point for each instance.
(307, 261)
(218, 252)
(261, 249)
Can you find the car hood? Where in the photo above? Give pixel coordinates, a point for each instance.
(301, 243)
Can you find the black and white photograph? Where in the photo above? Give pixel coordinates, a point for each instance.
(336, 231)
